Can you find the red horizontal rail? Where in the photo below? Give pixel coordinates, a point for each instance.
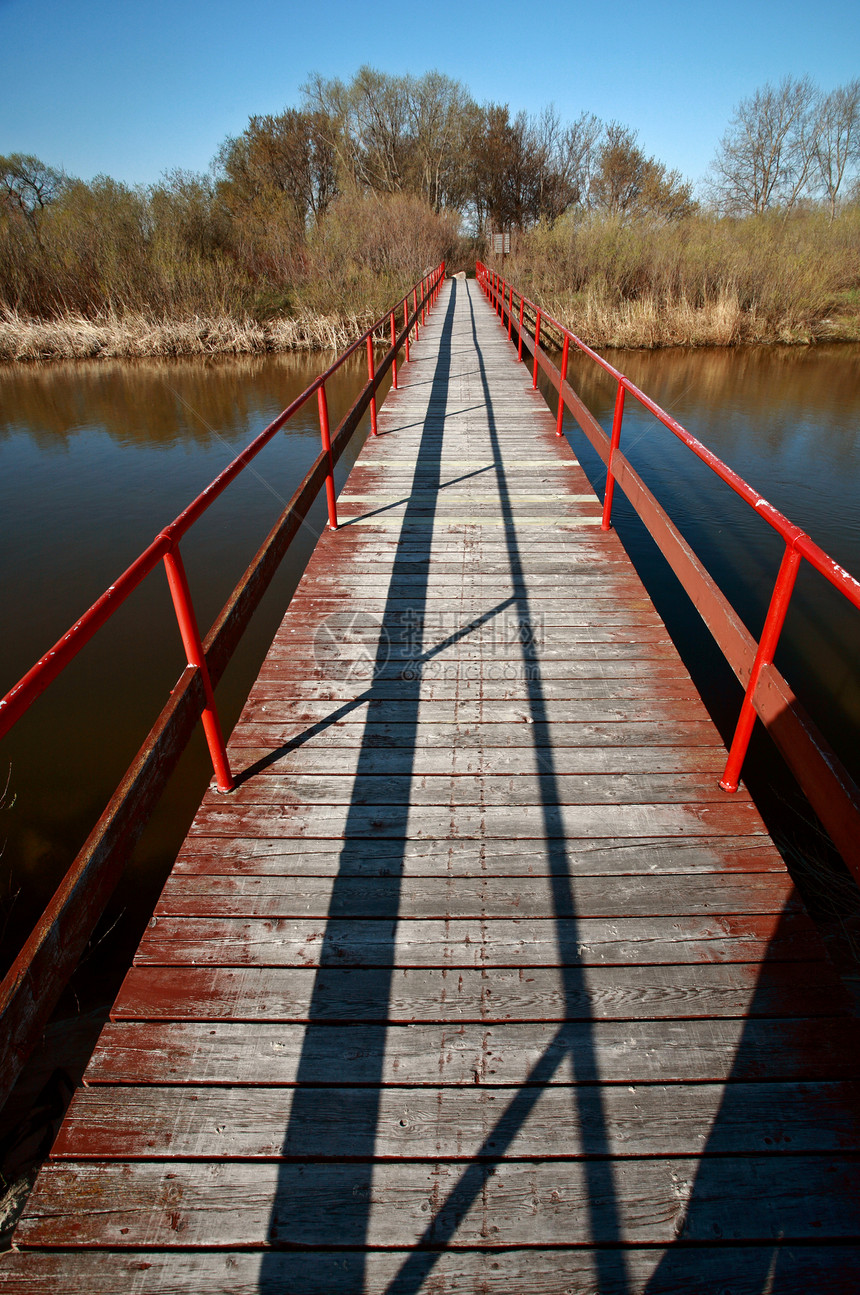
(838, 576)
(48, 956)
(758, 673)
(21, 696)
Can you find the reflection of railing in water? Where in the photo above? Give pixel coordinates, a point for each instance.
(33, 983)
(828, 786)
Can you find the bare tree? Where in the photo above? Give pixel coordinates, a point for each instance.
(626, 183)
(288, 156)
(328, 101)
(28, 185)
(837, 144)
(439, 115)
(564, 160)
(765, 158)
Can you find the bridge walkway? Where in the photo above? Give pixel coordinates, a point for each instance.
(477, 982)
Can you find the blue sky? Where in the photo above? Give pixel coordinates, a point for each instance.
(134, 88)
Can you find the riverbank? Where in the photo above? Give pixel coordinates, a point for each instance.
(134, 336)
(642, 324)
(701, 281)
(646, 322)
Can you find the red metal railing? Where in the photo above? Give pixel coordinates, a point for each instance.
(830, 789)
(30, 988)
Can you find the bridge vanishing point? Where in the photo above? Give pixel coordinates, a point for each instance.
(477, 980)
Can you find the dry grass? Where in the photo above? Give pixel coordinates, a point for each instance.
(132, 336)
(649, 322)
(697, 282)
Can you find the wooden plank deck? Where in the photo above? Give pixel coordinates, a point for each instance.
(477, 982)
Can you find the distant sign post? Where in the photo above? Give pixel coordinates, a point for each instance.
(502, 244)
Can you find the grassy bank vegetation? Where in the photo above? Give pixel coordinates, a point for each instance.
(311, 222)
(702, 281)
(114, 272)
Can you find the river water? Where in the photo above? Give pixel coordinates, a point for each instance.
(95, 458)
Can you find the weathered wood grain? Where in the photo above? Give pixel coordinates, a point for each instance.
(656, 1201)
(477, 982)
(604, 857)
(606, 1052)
(304, 759)
(358, 722)
(796, 1269)
(462, 994)
(458, 1123)
(406, 788)
(525, 942)
(561, 896)
(474, 822)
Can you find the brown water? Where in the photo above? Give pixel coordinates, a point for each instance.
(788, 420)
(96, 458)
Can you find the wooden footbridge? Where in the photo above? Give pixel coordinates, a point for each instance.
(477, 980)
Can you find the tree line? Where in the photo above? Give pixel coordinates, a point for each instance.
(338, 201)
(427, 136)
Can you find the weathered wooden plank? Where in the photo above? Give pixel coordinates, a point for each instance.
(657, 1201)
(564, 609)
(644, 678)
(527, 942)
(601, 702)
(559, 895)
(604, 857)
(459, 1123)
(364, 974)
(392, 562)
(442, 678)
(340, 724)
(566, 993)
(545, 643)
(403, 787)
(311, 758)
(531, 821)
(606, 1052)
(677, 1270)
(475, 587)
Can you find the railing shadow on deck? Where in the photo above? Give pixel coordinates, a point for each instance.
(354, 1212)
(772, 1202)
(758, 1268)
(349, 1200)
(48, 956)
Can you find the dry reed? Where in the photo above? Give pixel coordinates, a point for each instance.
(132, 336)
(697, 282)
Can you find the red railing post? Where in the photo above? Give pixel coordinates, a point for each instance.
(537, 348)
(415, 310)
(510, 310)
(774, 621)
(193, 644)
(406, 324)
(326, 444)
(371, 375)
(394, 355)
(423, 300)
(502, 303)
(606, 521)
(520, 334)
(560, 419)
